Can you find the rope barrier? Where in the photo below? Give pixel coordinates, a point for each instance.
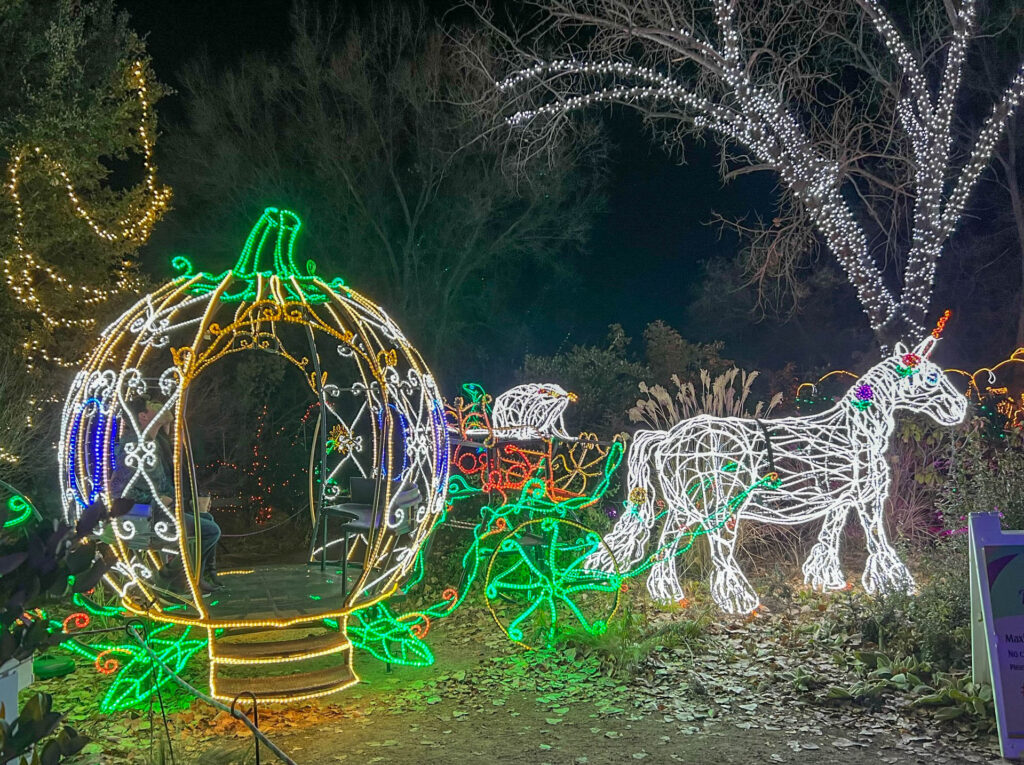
(238, 715)
(289, 519)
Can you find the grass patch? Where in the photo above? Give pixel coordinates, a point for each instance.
(639, 630)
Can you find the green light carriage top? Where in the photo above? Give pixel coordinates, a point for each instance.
(377, 398)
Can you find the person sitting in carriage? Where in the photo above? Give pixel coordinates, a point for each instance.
(162, 476)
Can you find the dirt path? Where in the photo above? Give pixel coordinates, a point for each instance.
(699, 691)
(519, 733)
(483, 703)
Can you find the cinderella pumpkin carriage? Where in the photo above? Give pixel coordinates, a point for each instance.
(377, 486)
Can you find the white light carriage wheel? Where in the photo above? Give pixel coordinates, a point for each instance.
(379, 406)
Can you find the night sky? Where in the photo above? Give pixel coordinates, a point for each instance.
(644, 262)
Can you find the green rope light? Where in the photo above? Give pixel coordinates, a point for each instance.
(387, 638)
(269, 252)
(135, 677)
(554, 581)
(503, 527)
(21, 511)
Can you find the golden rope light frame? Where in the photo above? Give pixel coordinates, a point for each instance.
(985, 386)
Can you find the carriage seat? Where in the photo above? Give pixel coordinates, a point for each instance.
(357, 514)
(140, 516)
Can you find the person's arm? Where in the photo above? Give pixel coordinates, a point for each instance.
(121, 475)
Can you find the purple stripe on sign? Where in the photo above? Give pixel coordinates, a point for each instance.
(995, 568)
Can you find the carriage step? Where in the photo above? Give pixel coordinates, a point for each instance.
(287, 687)
(281, 664)
(282, 650)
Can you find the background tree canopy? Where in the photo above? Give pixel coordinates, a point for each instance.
(371, 128)
(70, 117)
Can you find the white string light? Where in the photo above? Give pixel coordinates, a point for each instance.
(828, 464)
(24, 271)
(756, 117)
(528, 411)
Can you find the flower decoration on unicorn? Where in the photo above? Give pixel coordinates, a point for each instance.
(826, 465)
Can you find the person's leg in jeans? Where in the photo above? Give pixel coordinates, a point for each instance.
(209, 533)
(210, 529)
(207, 520)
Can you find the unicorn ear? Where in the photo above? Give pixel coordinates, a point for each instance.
(899, 350)
(925, 347)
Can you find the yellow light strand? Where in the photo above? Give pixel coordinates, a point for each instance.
(22, 268)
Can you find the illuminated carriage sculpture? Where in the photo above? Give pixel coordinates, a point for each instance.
(379, 407)
(528, 546)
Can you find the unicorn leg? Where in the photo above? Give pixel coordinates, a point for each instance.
(663, 581)
(821, 569)
(629, 538)
(627, 542)
(729, 587)
(884, 571)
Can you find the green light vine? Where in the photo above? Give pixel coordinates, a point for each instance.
(498, 522)
(135, 676)
(271, 239)
(21, 511)
(389, 638)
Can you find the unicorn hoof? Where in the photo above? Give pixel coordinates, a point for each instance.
(885, 572)
(732, 593)
(822, 571)
(665, 593)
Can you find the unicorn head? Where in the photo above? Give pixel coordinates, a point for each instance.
(921, 385)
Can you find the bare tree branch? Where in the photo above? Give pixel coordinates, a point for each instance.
(854, 114)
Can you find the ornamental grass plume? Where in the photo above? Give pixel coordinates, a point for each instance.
(719, 398)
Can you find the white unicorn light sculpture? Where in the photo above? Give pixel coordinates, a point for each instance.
(826, 464)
